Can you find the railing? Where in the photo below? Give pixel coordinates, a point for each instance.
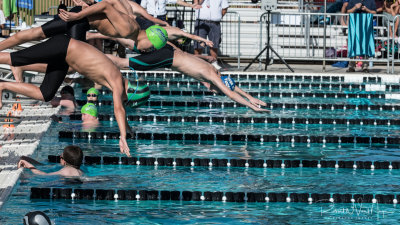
(303, 36)
(230, 28)
(394, 53)
(31, 8)
(294, 35)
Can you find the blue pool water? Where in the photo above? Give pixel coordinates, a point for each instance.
(226, 179)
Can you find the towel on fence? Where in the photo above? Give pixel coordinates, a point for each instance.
(25, 4)
(361, 35)
(9, 5)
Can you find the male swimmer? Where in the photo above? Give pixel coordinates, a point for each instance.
(59, 53)
(171, 57)
(70, 159)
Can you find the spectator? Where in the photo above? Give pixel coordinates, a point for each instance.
(361, 34)
(344, 20)
(208, 24)
(2, 22)
(332, 7)
(390, 11)
(157, 8)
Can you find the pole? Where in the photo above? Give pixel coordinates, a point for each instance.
(324, 47)
(268, 39)
(9, 17)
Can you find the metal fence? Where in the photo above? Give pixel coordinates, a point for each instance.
(294, 35)
(395, 44)
(313, 36)
(230, 28)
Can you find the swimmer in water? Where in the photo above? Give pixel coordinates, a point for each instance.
(89, 116)
(92, 96)
(70, 159)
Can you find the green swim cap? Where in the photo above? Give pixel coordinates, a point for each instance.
(89, 108)
(93, 91)
(138, 94)
(157, 35)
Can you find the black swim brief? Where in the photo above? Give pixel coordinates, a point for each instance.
(162, 58)
(75, 29)
(51, 52)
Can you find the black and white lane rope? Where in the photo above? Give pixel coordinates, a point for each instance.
(139, 195)
(252, 163)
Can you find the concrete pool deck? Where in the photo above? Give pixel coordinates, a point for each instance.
(21, 140)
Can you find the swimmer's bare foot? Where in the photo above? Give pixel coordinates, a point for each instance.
(17, 72)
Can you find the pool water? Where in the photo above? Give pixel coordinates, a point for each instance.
(226, 179)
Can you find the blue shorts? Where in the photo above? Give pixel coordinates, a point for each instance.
(208, 28)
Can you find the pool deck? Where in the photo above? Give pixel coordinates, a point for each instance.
(22, 140)
(25, 137)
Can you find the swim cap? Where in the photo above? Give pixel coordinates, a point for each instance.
(89, 108)
(93, 91)
(138, 94)
(36, 218)
(229, 82)
(157, 35)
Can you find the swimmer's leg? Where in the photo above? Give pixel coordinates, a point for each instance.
(121, 63)
(18, 71)
(22, 37)
(28, 90)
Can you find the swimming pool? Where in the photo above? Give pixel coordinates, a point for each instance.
(320, 141)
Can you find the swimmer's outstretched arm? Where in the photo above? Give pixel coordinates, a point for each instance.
(22, 37)
(235, 96)
(101, 7)
(176, 33)
(120, 115)
(254, 101)
(25, 164)
(127, 43)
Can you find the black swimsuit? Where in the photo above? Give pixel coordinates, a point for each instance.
(75, 29)
(51, 52)
(162, 58)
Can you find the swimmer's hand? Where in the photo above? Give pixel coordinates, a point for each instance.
(24, 164)
(257, 102)
(209, 43)
(261, 110)
(68, 16)
(123, 147)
